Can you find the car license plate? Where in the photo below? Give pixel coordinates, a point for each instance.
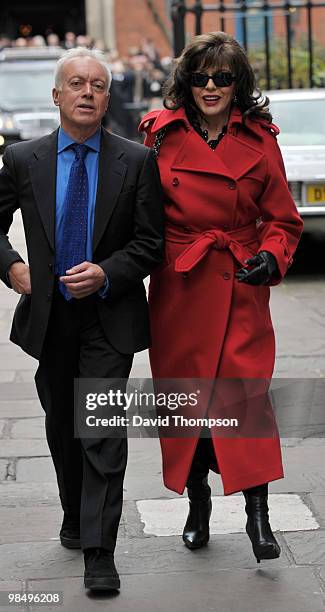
(316, 193)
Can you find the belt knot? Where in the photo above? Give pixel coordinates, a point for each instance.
(221, 239)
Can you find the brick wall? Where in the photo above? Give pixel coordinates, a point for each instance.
(134, 20)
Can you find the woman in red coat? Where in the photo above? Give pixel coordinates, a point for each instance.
(231, 231)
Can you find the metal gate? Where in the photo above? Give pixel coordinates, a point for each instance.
(242, 9)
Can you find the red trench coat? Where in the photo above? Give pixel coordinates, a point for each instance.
(221, 206)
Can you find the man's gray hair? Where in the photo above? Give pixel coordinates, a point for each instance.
(99, 56)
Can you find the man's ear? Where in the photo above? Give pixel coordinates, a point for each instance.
(55, 96)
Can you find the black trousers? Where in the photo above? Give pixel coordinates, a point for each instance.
(90, 472)
(203, 460)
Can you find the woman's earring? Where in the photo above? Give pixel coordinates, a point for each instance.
(235, 98)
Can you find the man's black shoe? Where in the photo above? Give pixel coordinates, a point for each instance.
(100, 570)
(70, 532)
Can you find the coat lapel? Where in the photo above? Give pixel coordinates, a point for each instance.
(238, 155)
(111, 174)
(232, 158)
(194, 155)
(42, 173)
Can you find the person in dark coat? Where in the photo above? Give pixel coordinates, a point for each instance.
(91, 205)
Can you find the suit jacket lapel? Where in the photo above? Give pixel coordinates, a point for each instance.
(43, 179)
(111, 174)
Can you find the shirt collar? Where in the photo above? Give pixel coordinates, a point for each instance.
(65, 141)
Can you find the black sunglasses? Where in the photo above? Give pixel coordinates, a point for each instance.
(220, 79)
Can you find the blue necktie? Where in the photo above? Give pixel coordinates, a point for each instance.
(72, 250)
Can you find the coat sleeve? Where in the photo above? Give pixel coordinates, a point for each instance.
(9, 202)
(281, 226)
(127, 266)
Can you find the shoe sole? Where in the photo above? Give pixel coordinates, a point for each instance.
(191, 546)
(70, 543)
(268, 551)
(102, 584)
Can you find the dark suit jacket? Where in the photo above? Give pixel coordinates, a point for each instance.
(127, 242)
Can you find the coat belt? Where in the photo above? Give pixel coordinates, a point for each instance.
(201, 243)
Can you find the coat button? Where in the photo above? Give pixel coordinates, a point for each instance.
(185, 274)
(175, 181)
(232, 185)
(49, 296)
(227, 276)
(50, 266)
(226, 228)
(187, 229)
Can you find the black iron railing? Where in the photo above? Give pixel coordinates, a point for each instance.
(243, 10)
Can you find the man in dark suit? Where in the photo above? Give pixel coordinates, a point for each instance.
(91, 204)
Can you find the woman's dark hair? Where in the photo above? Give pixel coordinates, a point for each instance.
(217, 50)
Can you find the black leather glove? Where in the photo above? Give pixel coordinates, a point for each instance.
(260, 269)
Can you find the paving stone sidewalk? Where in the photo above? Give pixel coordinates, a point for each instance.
(157, 571)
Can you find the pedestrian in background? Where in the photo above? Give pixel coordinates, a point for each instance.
(232, 229)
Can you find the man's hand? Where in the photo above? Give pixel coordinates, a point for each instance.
(19, 277)
(261, 268)
(84, 279)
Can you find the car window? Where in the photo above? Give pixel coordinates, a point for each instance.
(301, 122)
(26, 89)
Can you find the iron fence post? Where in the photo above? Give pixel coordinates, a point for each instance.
(178, 12)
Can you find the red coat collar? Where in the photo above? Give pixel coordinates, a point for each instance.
(159, 119)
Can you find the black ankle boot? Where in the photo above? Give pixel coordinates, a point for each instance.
(258, 527)
(196, 531)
